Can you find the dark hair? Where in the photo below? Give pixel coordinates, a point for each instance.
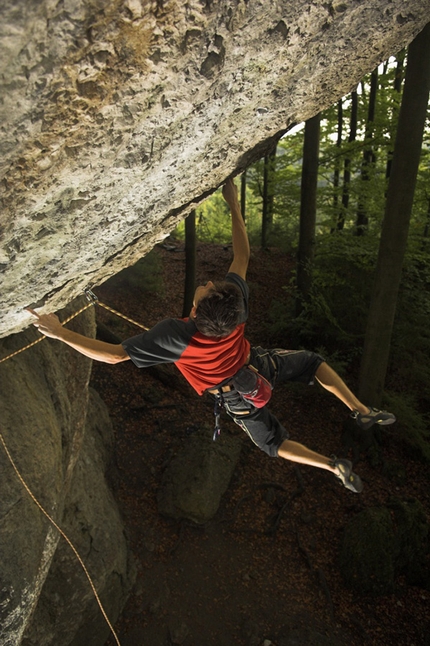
(218, 313)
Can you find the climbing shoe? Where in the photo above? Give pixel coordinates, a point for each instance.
(346, 476)
(374, 416)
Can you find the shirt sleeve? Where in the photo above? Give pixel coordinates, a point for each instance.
(244, 289)
(164, 343)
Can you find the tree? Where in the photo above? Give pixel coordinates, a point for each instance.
(347, 162)
(243, 195)
(268, 195)
(395, 226)
(336, 174)
(398, 89)
(308, 209)
(368, 157)
(190, 263)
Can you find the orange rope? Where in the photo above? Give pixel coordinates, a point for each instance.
(106, 307)
(110, 309)
(30, 345)
(52, 521)
(27, 488)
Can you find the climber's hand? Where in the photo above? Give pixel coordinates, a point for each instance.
(48, 324)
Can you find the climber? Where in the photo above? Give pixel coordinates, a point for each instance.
(210, 349)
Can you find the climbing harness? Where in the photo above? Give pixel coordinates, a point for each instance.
(93, 299)
(252, 387)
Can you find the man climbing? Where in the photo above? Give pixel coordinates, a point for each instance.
(211, 351)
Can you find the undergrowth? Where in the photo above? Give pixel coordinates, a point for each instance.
(333, 323)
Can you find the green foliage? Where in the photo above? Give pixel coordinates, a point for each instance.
(144, 276)
(334, 318)
(414, 433)
(213, 220)
(335, 315)
(410, 346)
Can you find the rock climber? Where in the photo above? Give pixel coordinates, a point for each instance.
(211, 351)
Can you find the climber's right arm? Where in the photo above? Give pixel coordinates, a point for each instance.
(50, 326)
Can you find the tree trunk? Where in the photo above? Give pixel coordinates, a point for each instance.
(268, 196)
(395, 227)
(398, 88)
(308, 210)
(368, 158)
(243, 195)
(336, 174)
(347, 162)
(190, 263)
(427, 227)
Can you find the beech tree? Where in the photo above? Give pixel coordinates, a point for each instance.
(243, 194)
(368, 158)
(347, 162)
(395, 226)
(336, 173)
(190, 263)
(308, 209)
(398, 78)
(268, 195)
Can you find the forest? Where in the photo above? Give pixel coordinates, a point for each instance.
(348, 195)
(338, 215)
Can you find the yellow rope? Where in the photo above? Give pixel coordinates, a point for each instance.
(30, 345)
(52, 521)
(27, 488)
(110, 309)
(106, 307)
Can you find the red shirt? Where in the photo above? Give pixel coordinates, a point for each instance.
(204, 361)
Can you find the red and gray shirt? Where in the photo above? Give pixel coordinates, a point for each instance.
(204, 361)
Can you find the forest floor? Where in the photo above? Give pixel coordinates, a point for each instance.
(237, 580)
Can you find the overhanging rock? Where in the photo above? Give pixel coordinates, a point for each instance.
(118, 117)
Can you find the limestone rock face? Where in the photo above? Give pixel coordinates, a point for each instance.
(119, 116)
(61, 452)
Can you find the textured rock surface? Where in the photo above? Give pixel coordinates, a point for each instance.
(198, 476)
(62, 456)
(119, 116)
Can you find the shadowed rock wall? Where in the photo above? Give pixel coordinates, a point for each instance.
(62, 453)
(119, 116)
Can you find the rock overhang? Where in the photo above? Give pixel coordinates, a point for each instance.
(118, 118)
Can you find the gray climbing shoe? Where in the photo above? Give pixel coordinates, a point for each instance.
(346, 476)
(374, 416)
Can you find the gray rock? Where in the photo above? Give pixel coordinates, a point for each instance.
(62, 455)
(198, 476)
(119, 118)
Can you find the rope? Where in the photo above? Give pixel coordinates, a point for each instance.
(126, 318)
(30, 345)
(27, 488)
(68, 541)
(106, 307)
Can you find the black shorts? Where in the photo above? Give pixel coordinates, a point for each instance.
(276, 366)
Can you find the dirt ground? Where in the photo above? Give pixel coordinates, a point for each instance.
(264, 570)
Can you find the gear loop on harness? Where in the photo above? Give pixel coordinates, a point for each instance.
(219, 405)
